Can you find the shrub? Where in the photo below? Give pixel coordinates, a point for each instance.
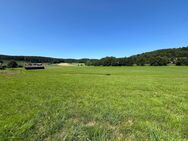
(20, 66)
(182, 62)
(1, 65)
(12, 64)
(159, 61)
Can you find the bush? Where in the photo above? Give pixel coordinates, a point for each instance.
(12, 64)
(1, 65)
(182, 62)
(159, 61)
(20, 66)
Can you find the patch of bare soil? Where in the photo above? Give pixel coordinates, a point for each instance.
(65, 64)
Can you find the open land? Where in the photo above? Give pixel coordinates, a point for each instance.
(94, 103)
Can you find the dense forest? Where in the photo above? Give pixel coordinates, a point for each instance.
(176, 56)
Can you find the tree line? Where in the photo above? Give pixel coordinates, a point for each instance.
(39, 59)
(175, 56)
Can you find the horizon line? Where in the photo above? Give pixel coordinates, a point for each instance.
(89, 57)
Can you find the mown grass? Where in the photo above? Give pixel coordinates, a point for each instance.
(94, 103)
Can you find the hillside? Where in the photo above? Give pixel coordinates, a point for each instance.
(178, 56)
(170, 53)
(40, 59)
(29, 58)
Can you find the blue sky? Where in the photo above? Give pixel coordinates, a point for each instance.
(91, 28)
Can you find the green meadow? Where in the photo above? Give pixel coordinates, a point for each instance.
(94, 104)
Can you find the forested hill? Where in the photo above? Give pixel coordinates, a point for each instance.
(39, 59)
(28, 58)
(174, 55)
(170, 53)
(178, 56)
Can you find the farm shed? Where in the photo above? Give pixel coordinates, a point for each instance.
(33, 66)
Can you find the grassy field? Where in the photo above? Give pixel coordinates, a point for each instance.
(94, 103)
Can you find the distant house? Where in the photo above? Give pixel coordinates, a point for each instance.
(32, 66)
